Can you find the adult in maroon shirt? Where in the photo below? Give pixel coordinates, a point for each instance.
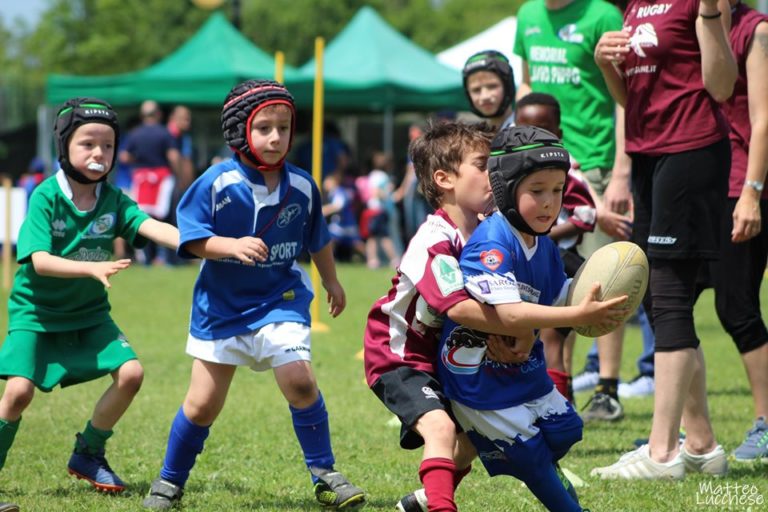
(738, 273)
(669, 68)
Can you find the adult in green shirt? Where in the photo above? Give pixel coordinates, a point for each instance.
(556, 40)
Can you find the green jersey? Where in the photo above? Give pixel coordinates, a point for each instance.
(559, 48)
(54, 225)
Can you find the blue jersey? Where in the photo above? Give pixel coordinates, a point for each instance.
(498, 268)
(231, 200)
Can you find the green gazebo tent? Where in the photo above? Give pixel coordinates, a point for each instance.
(200, 72)
(369, 66)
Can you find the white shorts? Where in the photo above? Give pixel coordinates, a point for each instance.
(268, 347)
(513, 421)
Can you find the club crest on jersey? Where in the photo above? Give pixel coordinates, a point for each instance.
(447, 274)
(491, 259)
(644, 37)
(287, 215)
(100, 227)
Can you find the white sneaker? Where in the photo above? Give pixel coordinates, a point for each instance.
(642, 385)
(714, 463)
(585, 381)
(638, 465)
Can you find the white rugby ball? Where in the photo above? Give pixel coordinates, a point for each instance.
(621, 268)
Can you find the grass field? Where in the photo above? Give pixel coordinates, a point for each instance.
(252, 460)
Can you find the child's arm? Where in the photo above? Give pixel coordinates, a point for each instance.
(247, 249)
(160, 232)
(336, 298)
(485, 318)
(589, 312)
(48, 265)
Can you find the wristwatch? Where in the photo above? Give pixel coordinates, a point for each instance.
(756, 185)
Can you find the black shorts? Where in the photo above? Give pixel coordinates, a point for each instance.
(679, 201)
(410, 394)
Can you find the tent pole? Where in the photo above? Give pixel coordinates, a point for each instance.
(44, 136)
(389, 128)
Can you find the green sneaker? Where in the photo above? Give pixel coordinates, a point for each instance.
(334, 491)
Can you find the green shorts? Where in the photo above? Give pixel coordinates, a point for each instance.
(66, 358)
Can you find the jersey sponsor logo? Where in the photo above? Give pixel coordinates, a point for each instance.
(494, 283)
(485, 287)
(528, 293)
(549, 54)
(530, 31)
(224, 202)
(83, 254)
(491, 259)
(662, 240)
(447, 274)
(58, 228)
(652, 10)
(284, 251)
(288, 213)
(100, 227)
(429, 393)
(558, 75)
(569, 34)
(644, 36)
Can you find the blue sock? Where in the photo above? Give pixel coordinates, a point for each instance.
(184, 443)
(314, 434)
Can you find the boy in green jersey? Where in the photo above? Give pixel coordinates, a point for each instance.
(59, 327)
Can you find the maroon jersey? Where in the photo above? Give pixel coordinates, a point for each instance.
(744, 21)
(403, 327)
(668, 110)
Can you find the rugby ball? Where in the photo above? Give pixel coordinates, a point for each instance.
(621, 268)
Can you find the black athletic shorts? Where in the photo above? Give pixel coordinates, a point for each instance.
(679, 201)
(410, 394)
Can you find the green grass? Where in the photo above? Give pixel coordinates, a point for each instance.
(252, 460)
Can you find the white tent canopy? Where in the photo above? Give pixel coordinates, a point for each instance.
(499, 37)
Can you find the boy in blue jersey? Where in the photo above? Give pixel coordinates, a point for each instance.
(518, 421)
(249, 218)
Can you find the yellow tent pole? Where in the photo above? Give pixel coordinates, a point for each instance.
(317, 171)
(279, 66)
(7, 186)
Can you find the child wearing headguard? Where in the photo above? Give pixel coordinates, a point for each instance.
(489, 84)
(60, 331)
(518, 421)
(249, 218)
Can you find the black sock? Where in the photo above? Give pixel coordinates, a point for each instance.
(609, 387)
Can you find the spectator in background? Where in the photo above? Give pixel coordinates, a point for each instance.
(738, 274)
(33, 177)
(670, 68)
(335, 158)
(415, 207)
(342, 219)
(179, 124)
(379, 212)
(152, 152)
(489, 84)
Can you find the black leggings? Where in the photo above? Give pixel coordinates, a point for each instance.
(670, 298)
